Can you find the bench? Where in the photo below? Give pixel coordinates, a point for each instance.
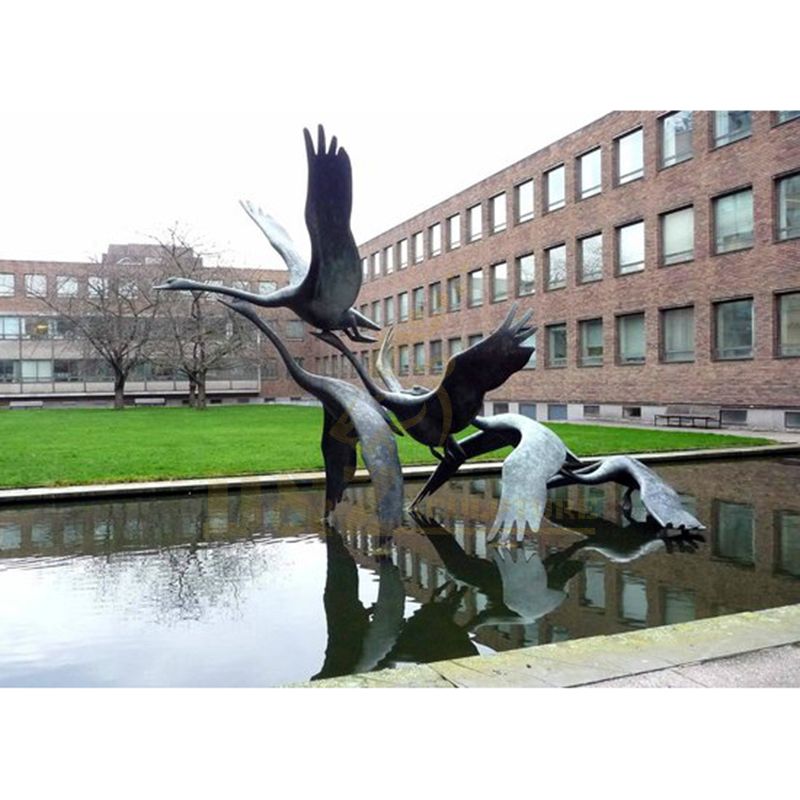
(149, 401)
(17, 404)
(692, 415)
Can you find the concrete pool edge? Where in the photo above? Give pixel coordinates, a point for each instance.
(594, 660)
(317, 477)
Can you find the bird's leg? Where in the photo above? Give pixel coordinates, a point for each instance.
(355, 335)
(435, 454)
(453, 451)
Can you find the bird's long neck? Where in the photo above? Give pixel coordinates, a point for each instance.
(366, 379)
(271, 300)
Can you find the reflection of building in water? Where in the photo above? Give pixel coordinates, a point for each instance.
(750, 561)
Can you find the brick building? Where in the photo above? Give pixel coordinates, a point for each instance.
(41, 363)
(659, 252)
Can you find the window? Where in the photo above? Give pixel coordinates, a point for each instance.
(733, 416)
(528, 410)
(735, 528)
(454, 346)
(36, 328)
(37, 371)
(6, 284)
(402, 261)
(788, 525)
(419, 359)
(475, 288)
(633, 601)
(377, 313)
(556, 266)
(97, 286)
(364, 269)
(475, 223)
(591, 258)
(524, 196)
(66, 286)
(734, 329)
(435, 238)
(525, 267)
(630, 248)
(9, 371)
(419, 302)
(454, 231)
(474, 339)
(733, 221)
(435, 298)
(388, 258)
(294, 329)
(730, 126)
(388, 310)
(9, 328)
(789, 324)
(676, 138)
(791, 419)
(499, 282)
(454, 293)
(35, 285)
(788, 207)
(557, 345)
(402, 307)
(497, 208)
(436, 356)
(376, 264)
(594, 585)
(402, 362)
(555, 188)
(591, 339)
(267, 287)
(557, 412)
(630, 339)
(591, 410)
(677, 332)
(589, 169)
(630, 157)
(677, 236)
(419, 247)
(530, 342)
(785, 116)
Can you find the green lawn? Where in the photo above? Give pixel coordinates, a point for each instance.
(72, 446)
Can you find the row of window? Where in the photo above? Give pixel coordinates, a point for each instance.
(68, 370)
(734, 338)
(39, 285)
(675, 146)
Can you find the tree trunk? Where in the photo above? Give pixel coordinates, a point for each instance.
(119, 392)
(192, 392)
(201, 392)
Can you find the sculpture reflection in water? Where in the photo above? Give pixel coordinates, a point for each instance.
(514, 586)
(323, 292)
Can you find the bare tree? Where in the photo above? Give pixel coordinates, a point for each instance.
(197, 335)
(113, 314)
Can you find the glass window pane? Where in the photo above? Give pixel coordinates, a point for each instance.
(589, 166)
(435, 298)
(454, 293)
(419, 247)
(7, 284)
(591, 338)
(631, 339)
(630, 240)
(524, 197)
(388, 258)
(677, 236)
(789, 328)
(630, 156)
(676, 138)
(388, 310)
(435, 236)
(555, 188)
(733, 221)
(789, 537)
(454, 231)
(556, 266)
(789, 207)
(403, 257)
(730, 126)
(594, 588)
(475, 223)
(678, 327)
(591, 250)
(530, 342)
(734, 532)
(498, 210)
(436, 356)
(734, 323)
(556, 345)
(679, 606)
(419, 302)
(499, 282)
(419, 358)
(402, 302)
(785, 116)
(475, 287)
(634, 598)
(526, 274)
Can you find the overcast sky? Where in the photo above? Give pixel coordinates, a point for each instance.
(118, 120)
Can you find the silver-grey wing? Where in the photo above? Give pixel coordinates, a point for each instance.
(280, 240)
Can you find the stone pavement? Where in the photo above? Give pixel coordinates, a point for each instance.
(756, 648)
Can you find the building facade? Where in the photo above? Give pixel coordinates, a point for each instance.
(43, 363)
(659, 253)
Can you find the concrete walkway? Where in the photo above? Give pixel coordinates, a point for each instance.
(759, 648)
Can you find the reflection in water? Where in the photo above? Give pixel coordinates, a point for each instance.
(250, 588)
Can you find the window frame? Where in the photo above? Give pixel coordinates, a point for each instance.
(715, 350)
(715, 223)
(677, 258)
(628, 177)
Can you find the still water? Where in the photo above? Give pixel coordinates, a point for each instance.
(249, 588)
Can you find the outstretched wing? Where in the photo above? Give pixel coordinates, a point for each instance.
(334, 275)
(339, 453)
(492, 361)
(280, 240)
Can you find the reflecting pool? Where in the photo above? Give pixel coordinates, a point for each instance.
(249, 588)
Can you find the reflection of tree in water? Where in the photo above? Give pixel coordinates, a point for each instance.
(180, 575)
